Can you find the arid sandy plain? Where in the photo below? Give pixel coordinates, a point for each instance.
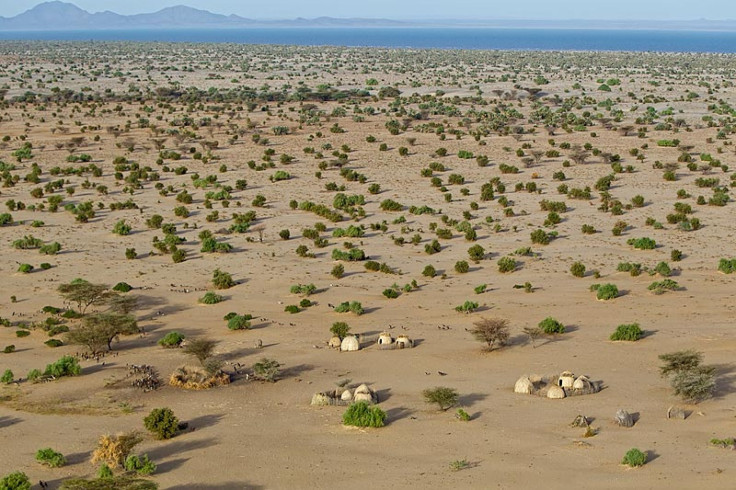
(306, 111)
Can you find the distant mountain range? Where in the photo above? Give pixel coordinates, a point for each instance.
(56, 15)
(66, 16)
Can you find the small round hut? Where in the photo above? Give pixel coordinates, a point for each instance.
(350, 343)
(335, 342)
(567, 379)
(555, 392)
(404, 342)
(524, 386)
(385, 339)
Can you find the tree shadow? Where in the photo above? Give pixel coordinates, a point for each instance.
(725, 380)
(204, 421)
(397, 413)
(8, 421)
(170, 465)
(294, 371)
(383, 394)
(77, 458)
(231, 484)
(469, 399)
(177, 447)
(651, 455)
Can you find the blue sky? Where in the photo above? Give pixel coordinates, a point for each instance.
(426, 9)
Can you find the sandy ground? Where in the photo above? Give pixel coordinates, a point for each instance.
(262, 435)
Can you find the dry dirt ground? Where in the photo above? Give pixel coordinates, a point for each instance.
(265, 435)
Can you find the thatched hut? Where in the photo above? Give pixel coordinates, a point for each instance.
(335, 342)
(582, 383)
(385, 339)
(404, 342)
(566, 380)
(524, 386)
(350, 343)
(555, 392)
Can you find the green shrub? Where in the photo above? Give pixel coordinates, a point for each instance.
(660, 287)
(506, 264)
(9, 349)
(50, 248)
(476, 253)
(171, 339)
(461, 267)
(634, 458)
(267, 370)
(443, 396)
(644, 243)
(467, 307)
(291, 309)
(211, 298)
(162, 423)
(65, 366)
(54, 343)
(122, 287)
(222, 280)
(285, 234)
(25, 268)
(663, 269)
(15, 481)
(630, 332)
(351, 306)
(551, 326)
(391, 205)
(121, 228)
(480, 289)
(140, 465)
(303, 289)
(540, 236)
(462, 415)
(727, 266)
(22, 333)
(340, 329)
(606, 291)
(50, 458)
(429, 271)
(7, 377)
(391, 293)
(361, 414)
(338, 271)
(689, 379)
(239, 322)
(577, 269)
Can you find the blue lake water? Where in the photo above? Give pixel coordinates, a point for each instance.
(421, 37)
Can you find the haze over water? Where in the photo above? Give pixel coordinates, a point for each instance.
(421, 37)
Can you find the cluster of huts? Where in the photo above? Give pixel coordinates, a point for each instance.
(385, 341)
(345, 396)
(556, 387)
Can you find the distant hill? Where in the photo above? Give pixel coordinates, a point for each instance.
(58, 15)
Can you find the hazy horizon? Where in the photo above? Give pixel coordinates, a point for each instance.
(627, 10)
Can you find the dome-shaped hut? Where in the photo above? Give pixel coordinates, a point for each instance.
(582, 383)
(524, 386)
(385, 339)
(335, 342)
(350, 343)
(364, 394)
(567, 379)
(555, 392)
(404, 342)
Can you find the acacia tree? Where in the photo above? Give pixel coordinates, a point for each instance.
(492, 331)
(98, 331)
(85, 294)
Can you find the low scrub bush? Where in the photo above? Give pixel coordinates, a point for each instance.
(50, 458)
(162, 423)
(630, 332)
(551, 326)
(634, 458)
(361, 414)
